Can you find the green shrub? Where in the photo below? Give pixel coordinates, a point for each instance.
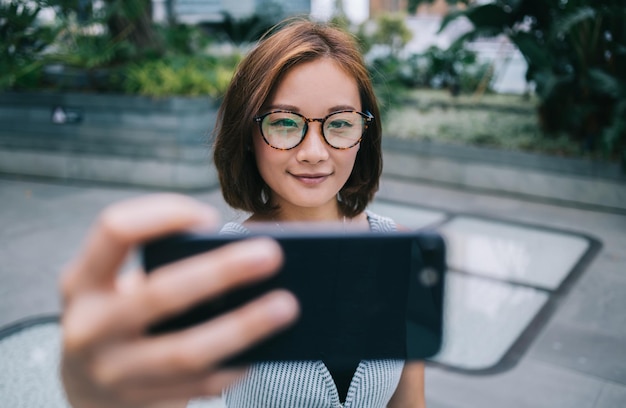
(180, 75)
(576, 55)
(88, 51)
(456, 68)
(22, 44)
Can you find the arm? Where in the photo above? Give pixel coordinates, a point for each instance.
(410, 391)
(107, 359)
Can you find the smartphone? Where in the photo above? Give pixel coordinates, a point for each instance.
(362, 295)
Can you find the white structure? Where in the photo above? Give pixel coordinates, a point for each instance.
(508, 63)
(356, 10)
(198, 11)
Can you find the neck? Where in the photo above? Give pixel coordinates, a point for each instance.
(329, 214)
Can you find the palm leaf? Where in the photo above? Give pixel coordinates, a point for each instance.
(490, 17)
(448, 18)
(604, 83)
(536, 55)
(566, 24)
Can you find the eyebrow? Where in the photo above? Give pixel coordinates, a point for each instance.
(296, 109)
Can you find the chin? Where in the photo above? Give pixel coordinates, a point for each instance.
(311, 202)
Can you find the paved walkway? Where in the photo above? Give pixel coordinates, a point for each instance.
(536, 305)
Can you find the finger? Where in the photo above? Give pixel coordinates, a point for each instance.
(131, 281)
(177, 287)
(198, 349)
(124, 225)
(172, 289)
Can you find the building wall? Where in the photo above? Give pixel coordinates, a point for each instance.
(378, 7)
(437, 7)
(239, 8)
(195, 11)
(288, 7)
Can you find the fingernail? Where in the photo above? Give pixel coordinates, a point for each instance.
(283, 306)
(263, 249)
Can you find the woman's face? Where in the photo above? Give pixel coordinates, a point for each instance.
(307, 178)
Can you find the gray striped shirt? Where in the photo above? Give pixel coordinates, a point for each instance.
(309, 384)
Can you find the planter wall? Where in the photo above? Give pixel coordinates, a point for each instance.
(131, 140)
(580, 182)
(166, 143)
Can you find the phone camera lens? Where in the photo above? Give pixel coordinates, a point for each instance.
(428, 277)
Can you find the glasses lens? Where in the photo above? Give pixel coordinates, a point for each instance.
(344, 129)
(283, 130)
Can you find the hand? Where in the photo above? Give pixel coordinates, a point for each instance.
(107, 359)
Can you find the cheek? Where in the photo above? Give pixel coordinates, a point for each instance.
(348, 159)
(260, 149)
(257, 141)
(268, 160)
(354, 153)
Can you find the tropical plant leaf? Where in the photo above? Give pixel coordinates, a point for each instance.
(615, 133)
(565, 24)
(450, 17)
(537, 55)
(488, 15)
(23, 40)
(576, 55)
(550, 86)
(483, 32)
(604, 83)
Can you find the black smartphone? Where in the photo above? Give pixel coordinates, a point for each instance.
(362, 295)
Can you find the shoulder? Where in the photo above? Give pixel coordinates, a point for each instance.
(380, 223)
(234, 228)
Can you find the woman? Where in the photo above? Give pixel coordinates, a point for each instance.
(298, 139)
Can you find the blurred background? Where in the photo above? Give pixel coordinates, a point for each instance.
(504, 128)
(547, 77)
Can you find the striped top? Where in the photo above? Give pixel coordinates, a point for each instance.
(309, 384)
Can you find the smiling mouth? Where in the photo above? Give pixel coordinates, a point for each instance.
(311, 178)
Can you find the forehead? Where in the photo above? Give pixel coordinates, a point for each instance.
(316, 87)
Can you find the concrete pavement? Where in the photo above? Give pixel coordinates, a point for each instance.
(573, 356)
(577, 358)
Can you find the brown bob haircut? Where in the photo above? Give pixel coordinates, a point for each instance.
(285, 46)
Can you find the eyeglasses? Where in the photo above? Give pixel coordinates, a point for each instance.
(285, 130)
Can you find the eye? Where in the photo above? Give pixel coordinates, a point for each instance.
(339, 124)
(283, 123)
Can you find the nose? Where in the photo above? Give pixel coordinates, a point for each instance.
(313, 148)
